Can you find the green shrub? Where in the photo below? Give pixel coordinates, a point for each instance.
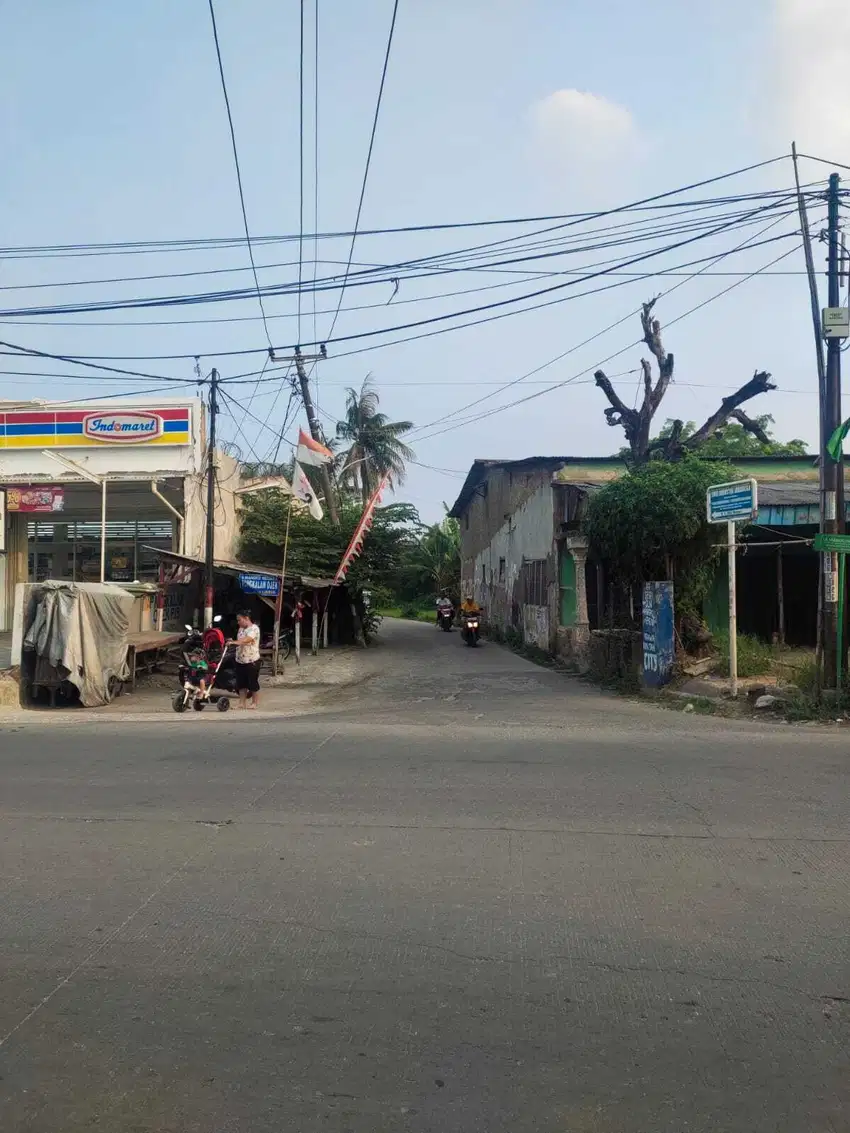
(754, 655)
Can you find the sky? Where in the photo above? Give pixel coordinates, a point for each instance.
(114, 129)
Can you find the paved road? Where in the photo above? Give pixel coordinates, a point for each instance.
(464, 895)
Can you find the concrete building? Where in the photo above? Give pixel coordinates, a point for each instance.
(525, 561)
(151, 455)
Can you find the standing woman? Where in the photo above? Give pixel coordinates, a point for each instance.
(247, 660)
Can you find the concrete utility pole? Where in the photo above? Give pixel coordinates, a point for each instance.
(209, 573)
(312, 419)
(817, 328)
(832, 513)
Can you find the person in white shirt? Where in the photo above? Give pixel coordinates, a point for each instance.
(247, 660)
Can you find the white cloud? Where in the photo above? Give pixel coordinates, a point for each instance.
(811, 72)
(579, 137)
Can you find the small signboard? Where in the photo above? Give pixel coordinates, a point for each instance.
(38, 499)
(658, 642)
(265, 584)
(825, 542)
(726, 503)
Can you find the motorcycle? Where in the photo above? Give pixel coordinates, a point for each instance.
(445, 618)
(286, 643)
(190, 693)
(470, 628)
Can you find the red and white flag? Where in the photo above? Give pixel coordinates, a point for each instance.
(312, 452)
(360, 532)
(302, 490)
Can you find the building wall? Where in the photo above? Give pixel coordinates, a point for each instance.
(226, 511)
(512, 569)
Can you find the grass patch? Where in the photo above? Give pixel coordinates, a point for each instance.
(755, 657)
(408, 613)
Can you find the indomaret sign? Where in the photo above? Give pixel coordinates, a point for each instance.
(128, 426)
(94, 428)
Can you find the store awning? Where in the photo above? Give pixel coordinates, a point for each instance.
(227, 566)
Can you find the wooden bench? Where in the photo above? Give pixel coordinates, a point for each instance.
(147, 650)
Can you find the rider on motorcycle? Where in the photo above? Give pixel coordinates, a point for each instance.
(443, 602)
(469, 606)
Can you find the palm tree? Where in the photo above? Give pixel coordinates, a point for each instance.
(375, 448)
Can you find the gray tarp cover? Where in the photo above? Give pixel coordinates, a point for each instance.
(79, 633)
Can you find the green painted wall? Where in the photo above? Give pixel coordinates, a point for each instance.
(715, 608)
(567, 582)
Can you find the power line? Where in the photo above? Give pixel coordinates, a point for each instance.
(595, 366)
(29, 351)
(709, 262)
(300, 163)
(600, 272)
(238, 170)
(371, 276)
(368, 164)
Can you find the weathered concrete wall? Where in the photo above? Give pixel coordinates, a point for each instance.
(496, 556)
(226, 513)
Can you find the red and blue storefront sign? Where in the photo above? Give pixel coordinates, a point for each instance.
(93, 428)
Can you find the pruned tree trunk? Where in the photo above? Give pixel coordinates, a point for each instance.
(637, 423)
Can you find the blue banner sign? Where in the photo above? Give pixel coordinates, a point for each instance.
(727, 502)
(260, 584)
(658, 644)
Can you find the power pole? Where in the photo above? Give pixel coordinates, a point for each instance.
(312, 419)
(832, 513)
(817, 328)
(209, 574)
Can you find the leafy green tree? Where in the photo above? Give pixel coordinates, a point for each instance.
(650, 525)
(733, 440)
(372, 443)
(316, 547)
(434, 561)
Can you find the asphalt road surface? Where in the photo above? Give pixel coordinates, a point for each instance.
(464, 895)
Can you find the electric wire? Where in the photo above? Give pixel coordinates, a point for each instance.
(368, 163)
(595, 366)
(237, 168)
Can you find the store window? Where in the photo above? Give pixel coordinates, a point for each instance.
(70, 551)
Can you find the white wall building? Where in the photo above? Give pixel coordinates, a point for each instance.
(152, 456)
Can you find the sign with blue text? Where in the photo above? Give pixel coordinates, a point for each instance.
(726, 503)
(658, 642)
(265, 584)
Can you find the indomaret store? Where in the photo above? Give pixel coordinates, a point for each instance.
(91, 490)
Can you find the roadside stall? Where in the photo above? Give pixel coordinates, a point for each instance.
(78, 642)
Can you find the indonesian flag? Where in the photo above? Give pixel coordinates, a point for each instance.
(360, 532)
(302, 490)
(312, 453)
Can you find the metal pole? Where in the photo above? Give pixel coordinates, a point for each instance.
(733, 610)
(833, 471)
(278, 606)
(209, 579)
(780, 595)
(315, 642)
(103, 530)
(839, 660)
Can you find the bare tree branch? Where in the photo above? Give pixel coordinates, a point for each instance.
(652, 338)
(751, 425)
(618, 413)
(636, 423)
(759, 383)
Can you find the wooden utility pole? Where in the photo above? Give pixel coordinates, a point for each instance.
(312, 418)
